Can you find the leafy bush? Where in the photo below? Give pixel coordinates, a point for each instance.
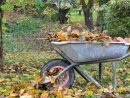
(117, 17)
(25, 25)
(14, 37)
(51, 14)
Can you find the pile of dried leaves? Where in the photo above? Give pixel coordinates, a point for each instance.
(83, 35)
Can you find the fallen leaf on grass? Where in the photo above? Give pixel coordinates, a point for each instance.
(38, 78)
(121, 89)
(127, 79)
(53, 79)
(13, 95)
(59, 94)
(44, 95)
(26, 96)
(2, 91)
(89, 93)
(2, 80)
(22, 91)
(79, 93)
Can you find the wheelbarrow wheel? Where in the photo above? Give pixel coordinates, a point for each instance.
(54, 67)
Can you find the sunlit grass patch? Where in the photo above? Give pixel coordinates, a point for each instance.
(34, 58)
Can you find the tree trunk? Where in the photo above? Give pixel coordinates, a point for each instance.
(88, 14)
(100, 18)
(80, 12)
(62, 15)
(1, 38)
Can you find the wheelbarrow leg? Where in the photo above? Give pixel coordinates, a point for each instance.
(100, 72)
(114, 75)
(86, 76)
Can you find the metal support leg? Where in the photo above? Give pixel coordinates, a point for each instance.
(86, 76)
(100, 72)
(114, 75)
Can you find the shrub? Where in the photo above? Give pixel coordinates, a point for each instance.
(14, 37)
(117, 17)
(25, 25)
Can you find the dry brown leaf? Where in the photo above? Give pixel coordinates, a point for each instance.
(26, 96)
(69, 28)
(2, 80)
(44, 95)
(78, 93)
(127, 40)
(53, 71)
(52, 78)
(38, 78)
(119, 39)
(75, 33)
(31, 92)
(59, 94)
(60, 88)
(13, 95)
(22, 91)
(3, 91)
(62, 36)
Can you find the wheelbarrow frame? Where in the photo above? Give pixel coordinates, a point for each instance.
(85, 75)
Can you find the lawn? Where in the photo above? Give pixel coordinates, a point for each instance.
(75, 17)
(22, 68)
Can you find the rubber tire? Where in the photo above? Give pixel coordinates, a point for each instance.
(62, 63)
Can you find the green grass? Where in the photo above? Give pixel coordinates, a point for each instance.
(95, 14)
(32, 58)
(74, 17)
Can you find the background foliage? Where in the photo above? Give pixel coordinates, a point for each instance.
(117, 17)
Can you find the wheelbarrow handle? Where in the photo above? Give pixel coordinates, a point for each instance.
(118, 59)
(125, 56)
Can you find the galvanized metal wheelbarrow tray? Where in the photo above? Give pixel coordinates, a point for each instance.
(78, 53)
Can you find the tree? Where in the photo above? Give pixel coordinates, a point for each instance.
(1, 39)
(87, 13)
(100, 18)
(63, 8)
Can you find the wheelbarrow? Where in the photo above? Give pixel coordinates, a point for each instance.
(74, 54)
